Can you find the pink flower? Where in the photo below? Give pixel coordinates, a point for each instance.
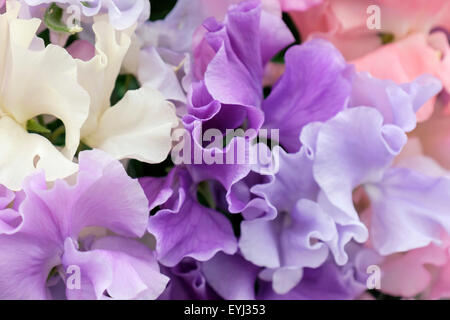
(408, 58)
(408, 274)
(415, 50)
(298, 5)
(424, 271)
(344, 22)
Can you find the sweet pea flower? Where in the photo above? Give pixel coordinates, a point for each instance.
(56, 233)
(138, 126)
(344, 22)
(37, 80)
(409, 58)
(314, 204)
(427, 265)
(229, 277)
(169, 46)
(183, 227)
(298, 5)
(330, 281)
(416, 48)
(420, 272)
(222, 102)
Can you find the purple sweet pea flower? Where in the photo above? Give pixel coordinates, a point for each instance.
(409, 210)
(397, 103)
(231, 276)
(353, 148)
(187, 282)
(241, 50)
(183, 227)
(49, 237)
(315, 86)
(228, 102)
(224, 276)
(10, 217)
(330, 281)
(357, 148)
(295, 228)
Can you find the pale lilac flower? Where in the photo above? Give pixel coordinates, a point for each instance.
(56, 233)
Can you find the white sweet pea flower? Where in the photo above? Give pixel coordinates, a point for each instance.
(35, 80)
(139, 126)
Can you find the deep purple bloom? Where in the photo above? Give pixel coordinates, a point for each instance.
(223, 276)
(183, 227)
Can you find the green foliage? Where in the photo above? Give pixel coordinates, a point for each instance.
(45, 35)
(54, 131)
(386, 37)
(160, 8)
(279, 57)
(124, 82)
(53, 20)
(138, 169)
(33, 126)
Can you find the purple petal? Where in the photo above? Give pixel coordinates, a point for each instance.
(289, 243)
(329, 281)
(123, 268)
(187, 282)
(231, 277)
(397, 104)
(354, 148)
(123, 205)
(409, 210)
(314, 87)
(26, 263)
(185, 228)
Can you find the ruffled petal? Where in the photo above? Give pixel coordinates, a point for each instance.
(139, 127)
(49, 78)
(409, 210)
(289, 243)
(117, 268)
(319, 98)
(25, 152)
(98, 75)
(185, 228)
(354, 148)
(397, 103)
(231, 276)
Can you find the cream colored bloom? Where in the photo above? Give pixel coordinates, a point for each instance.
(35, 80)
(139, 126)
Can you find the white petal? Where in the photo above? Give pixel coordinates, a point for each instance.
(98, 75)
(36, 82)
(22, 153)
(139, 127)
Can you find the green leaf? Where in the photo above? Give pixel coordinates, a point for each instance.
(52, 19)
(205, 196)
(86, 4)
(124, 82)
(34, 126)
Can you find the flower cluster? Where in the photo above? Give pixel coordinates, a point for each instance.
(230, 149)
